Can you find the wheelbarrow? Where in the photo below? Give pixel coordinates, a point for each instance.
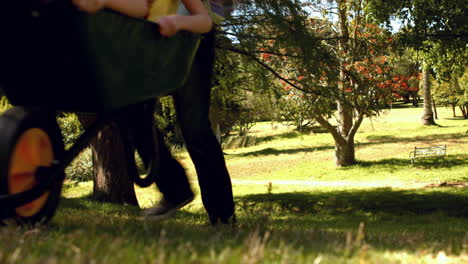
(54, 58)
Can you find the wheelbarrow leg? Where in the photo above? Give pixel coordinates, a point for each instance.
(139, 133)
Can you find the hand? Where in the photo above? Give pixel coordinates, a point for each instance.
(89, 6)
(168, 25)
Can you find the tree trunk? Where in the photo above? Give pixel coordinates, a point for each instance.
(345, 119)
(415, 100)
(112, 183)
(344, 149)
(406, 99)
(464, 110)
(434, 108)
(453, 110)
(428, 116)
(344, 153)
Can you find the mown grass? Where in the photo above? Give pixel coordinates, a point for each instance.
(293, 206)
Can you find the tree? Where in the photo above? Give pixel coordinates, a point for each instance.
(463, 96)
(436, 28)
(295, 107)
(453, 93)
(336, 62)
(406, 76)
(445, 94)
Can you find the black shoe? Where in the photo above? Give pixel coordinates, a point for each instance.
(217, 220)
(165, 209)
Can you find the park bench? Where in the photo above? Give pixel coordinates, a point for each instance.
(427, 152)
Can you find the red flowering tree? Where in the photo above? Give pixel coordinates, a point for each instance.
(437, 30)
(341, 58)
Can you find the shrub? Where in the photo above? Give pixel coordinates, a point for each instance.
(81, 169)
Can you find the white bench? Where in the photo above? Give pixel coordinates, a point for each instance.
(426, 152)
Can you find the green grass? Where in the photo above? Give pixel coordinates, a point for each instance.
(292, 204)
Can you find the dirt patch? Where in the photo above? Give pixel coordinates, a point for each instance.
(457, 184)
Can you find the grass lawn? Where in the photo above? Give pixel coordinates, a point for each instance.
(293, 205)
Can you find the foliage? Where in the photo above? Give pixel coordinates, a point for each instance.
(237, 99)
(464, 99)
(337, 61)
(234, 107)
(424, 20)
(4, 104)
(166, 121)
(453, 93)
(406, 75)
(437, 29)
(81, 168)
(295, 107)
(448, 61)
(70, 127)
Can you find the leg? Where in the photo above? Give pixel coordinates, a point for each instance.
(171, 179)
(168, 174)
(192, 108)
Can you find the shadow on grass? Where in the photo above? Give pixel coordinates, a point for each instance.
(448, 161)
(287, 135)
(313, 221)
(292, 134)
(455, 118)
(394, 220)
(88, 202)
(395, 139)
(361, 202)
(314, 129)
(374, 140)
(273, 151)
(405, 105)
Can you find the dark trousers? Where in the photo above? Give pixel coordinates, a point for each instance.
(192, 109)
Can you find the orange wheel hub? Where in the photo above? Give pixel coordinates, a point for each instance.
(32, 150)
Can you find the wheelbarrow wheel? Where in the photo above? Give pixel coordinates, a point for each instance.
(29, 139)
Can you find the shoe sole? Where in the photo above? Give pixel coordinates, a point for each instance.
(169, 213)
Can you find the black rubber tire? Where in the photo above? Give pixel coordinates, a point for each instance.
(13, 123)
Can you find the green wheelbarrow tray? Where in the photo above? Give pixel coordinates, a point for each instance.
(53, 56)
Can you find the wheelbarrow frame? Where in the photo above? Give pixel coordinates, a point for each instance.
(96, 55)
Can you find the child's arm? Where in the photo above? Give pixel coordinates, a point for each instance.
(199, 22)
(135, 8)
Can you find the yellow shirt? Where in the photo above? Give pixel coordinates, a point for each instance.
(161, 8)
(216, 8)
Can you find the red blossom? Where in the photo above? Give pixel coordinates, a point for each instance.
(378, 70)
(266, 56)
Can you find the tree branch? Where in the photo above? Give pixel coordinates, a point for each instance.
(245, 53)
(355, 127)
(324, 123)
(275, 38)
